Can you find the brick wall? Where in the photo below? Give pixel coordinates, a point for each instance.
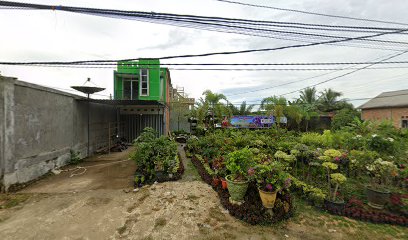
(380, 114)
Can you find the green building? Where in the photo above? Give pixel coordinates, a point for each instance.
(141, 80)
(142, 92)
(145, 98)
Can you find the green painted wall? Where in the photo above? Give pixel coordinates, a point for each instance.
(133, 68)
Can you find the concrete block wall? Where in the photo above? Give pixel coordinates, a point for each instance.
(380, 114)
(38, 128)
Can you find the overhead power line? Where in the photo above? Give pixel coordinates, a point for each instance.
(271, 29)
(301, 103)
(314, 13)
(203, 54)
(345, 74)
(163, 65)
(214, 69)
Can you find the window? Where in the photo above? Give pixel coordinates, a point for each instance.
(144, 82)
(130, 87)
(161, 88)
(404, 123)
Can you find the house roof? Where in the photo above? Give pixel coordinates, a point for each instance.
(388, 100)
(125, 102)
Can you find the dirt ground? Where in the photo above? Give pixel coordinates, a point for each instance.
(99, 205)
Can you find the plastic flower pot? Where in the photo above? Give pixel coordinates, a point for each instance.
(236, 189)
(215, 181)
(377, 198)
(337, 206)
(268, 198)
(224, 184)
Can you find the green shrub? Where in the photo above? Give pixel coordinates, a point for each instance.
(74, 157)
(154, 154)
(312, 139)
(238, 163)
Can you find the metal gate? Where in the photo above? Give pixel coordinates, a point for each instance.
(134, 124)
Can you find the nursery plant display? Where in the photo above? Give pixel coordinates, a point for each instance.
(334, 170)
(381, 172)
(156, 158)
(238, 163)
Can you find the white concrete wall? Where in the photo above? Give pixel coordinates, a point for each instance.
(39, 127)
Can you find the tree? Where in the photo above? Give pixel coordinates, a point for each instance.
(344, 118)
(328, 100)
(294, 112)
(243, 109)
(274, 106)
(308, 104)
(308, 96)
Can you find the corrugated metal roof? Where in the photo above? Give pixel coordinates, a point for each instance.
(388, 99)
(125, 102)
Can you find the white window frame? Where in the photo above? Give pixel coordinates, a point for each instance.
(132, 81)
(402, 122)
(141, 82)
(161, 87)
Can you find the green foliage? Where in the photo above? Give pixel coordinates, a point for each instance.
(154, 154)
(344, 118)
(381, 172)
(74, 157)
(148, 134)
(238, 163)
(330, 165)
(312, 139)
(382, 144)
(337, 179)
(272, 177)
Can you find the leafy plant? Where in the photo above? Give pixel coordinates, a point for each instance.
(74, 157)
(154, 154)
(337, 179)
(238, 163)
(381, 172)
(271, 177)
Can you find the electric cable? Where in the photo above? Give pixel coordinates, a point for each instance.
(314, 13)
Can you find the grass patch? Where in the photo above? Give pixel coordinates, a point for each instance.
(12, 200)
(318, 224)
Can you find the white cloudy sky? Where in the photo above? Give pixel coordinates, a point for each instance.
(60, 36)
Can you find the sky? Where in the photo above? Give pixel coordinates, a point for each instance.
(27, 35)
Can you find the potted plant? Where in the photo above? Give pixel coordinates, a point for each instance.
(238, 163)
(333, 203)
(270, 179)
(377, 193)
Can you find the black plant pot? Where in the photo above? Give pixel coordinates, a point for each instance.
(377, 198)
(336, 207)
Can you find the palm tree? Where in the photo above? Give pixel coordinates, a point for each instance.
(308, 95)
(308, 104)
(217, 109)
(213, 98)
(274, 106)
(243, 109)
(328, 100)
(200, 110)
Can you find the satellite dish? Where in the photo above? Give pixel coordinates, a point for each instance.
(87, 88)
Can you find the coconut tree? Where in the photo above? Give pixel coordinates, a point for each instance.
(244, 109)
(308, 96)
(213, 101)
(328, 100)
(308, 104)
